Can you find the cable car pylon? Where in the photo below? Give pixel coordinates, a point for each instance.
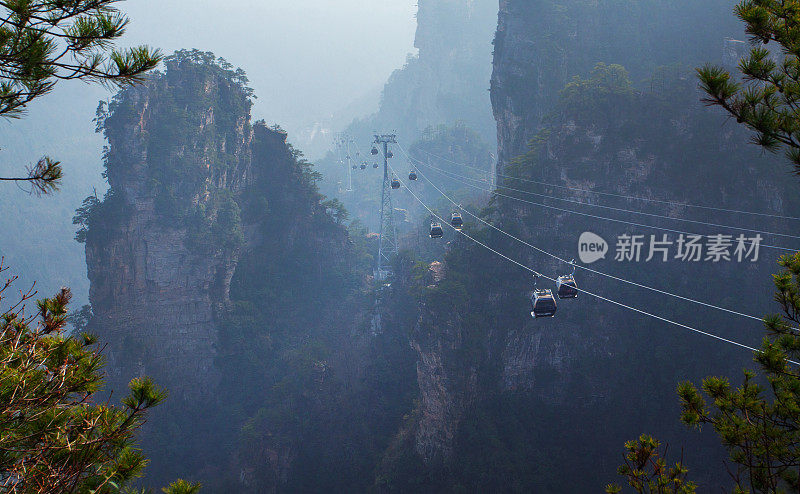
(343, 145)
(387, 239)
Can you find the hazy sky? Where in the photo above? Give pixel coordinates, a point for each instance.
(305, 58)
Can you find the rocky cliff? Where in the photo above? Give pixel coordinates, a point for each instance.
(540, 45)
(509, 403)
(444, 86)
(218, 269)
(154, 287)
(447, 81)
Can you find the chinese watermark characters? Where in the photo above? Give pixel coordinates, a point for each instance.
(688, 248)
(664, 248)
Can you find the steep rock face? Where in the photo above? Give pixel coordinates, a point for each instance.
(540, 45)
(445, 389)
(448, 80)
(497, 387)
(219, 270)
(154, 290)
(445, 84)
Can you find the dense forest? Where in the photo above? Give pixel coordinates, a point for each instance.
(233, 288)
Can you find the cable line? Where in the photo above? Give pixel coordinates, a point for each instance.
(623, 280)
(621, 196)
(787, 249)
(653, 215)
(599, 297)
(663, 292)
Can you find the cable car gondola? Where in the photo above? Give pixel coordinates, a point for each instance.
(436, 230)
(363, 166)
(457, 221)
(374, 165)
(355, 167)
(390, 154)
(544, 304)
(374, 151)
(542, 301)
(395, 183)
(412, 175)
(566, 285)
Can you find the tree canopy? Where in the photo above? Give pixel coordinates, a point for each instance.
(55, 436)
(766, 97)
(46, 41)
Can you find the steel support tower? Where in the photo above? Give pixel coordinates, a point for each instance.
(387, 239)
(349, 164)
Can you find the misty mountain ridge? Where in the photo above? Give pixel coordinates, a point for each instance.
(235, 260)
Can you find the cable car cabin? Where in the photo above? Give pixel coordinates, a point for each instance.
(390, 154)
(436, 230)
(355, 167)
(567, 287)
(544, 304)
(457, 221)
(374, 151)
(374, 165)
(395, 183)
(363, 166)
(412, 175)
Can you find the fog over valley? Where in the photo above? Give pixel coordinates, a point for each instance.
(433, 246)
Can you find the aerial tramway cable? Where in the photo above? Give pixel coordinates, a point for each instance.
(620, 196)
(642, 213)
(594, 216)
(594, 271)
(591, 294)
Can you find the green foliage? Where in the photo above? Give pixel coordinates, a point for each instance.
(96, 217)
(602, 114)
(82, 217)
(79, 319)
(44, 177)
(216, 224)
(758, 421)
(767, 100)
(608, 89)
(646, 470)
(55, 438)
(603, 80)
(42, 42)
(760, 425)
(198, 107)
(336, 210)
(457, 143)
(605, 97)
(181, 486)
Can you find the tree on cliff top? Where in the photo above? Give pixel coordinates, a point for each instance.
(53, 436)
(45, 41)
(768, 99)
